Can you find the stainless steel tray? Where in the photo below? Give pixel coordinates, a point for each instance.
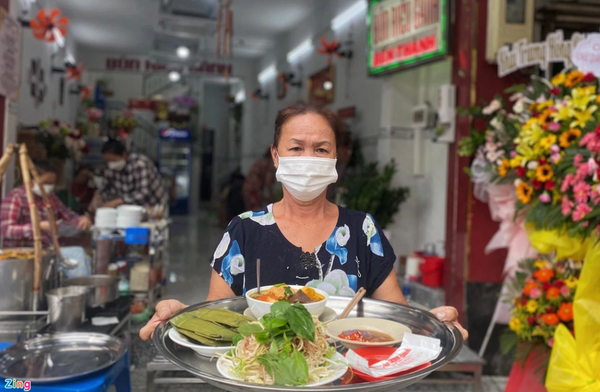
(60, 357)
(419, 321)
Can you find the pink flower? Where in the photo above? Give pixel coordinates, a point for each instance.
(567, 181)
(591, 141)
(592, 166)
(553, 127)
(555, 149)
(577, 160)
(555, 158)
(582, 192)
(567, 206)
(545, 198)
(582, 172)
(535, 293)
(565, 291)
(551, 342)
(581, 211)
(513, 154)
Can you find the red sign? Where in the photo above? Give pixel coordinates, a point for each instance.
(349, 112)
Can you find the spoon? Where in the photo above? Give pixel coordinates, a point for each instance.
(258, 275)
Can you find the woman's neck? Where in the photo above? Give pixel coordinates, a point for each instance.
(293, 209)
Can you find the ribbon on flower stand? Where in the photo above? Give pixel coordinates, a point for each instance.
(511, 235)
(575, 360)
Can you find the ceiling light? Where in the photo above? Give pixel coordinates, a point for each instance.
(240, 96)
(299, 51)
(174, 76)
(356, 9)
(183, 52)
(328, 85)
(268, 73)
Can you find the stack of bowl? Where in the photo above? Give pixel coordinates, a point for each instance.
(106, 219)
(129, 216)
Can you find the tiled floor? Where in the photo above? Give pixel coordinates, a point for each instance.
(193, 240)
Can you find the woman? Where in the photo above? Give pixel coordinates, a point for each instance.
(303, 239)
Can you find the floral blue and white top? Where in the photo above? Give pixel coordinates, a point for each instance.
(357, 254)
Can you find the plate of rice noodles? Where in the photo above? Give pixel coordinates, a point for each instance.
(287, 346)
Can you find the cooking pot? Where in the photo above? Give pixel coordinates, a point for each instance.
(16, 282)
(103, 288)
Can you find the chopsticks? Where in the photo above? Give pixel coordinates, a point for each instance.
(356, 299)
(258, 275)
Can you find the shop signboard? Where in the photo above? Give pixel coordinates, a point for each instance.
(555, 49)
(586, 56)
(405, 33)
(144, 64)
(10, 55)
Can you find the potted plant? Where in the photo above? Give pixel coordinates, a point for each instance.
(369, 190)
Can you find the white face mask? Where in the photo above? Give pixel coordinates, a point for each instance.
(48, 188)
(306, 177)
(118, 165)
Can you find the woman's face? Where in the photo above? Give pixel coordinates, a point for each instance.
(308, 135)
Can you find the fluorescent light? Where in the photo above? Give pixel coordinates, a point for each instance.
(299, 51)
(183, 52)
(356, 9)
(268, 73)
(328, 85)
(174, 76)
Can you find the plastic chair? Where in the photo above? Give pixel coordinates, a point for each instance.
(117, 375)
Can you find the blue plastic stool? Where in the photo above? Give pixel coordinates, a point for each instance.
(117, 375)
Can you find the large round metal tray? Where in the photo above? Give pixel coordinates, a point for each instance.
(60, 357)
(419, 321)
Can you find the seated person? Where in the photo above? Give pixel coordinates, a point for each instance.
(83, 188)
(129, 179)
(16, 227)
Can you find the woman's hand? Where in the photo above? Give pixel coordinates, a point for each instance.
(448, 313)
(164, 310)
(45, 226)
(84, 223)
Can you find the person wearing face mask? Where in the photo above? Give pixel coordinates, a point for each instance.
(130, 179)
(303, 239)
(16, 227)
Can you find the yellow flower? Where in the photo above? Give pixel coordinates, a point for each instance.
(537, 331)
(548, 142)
(574, 78)
(571, 282)
(531, 174)
(581, 98)
(569, 137)
(544, 105)
(544, 117)
(544, 173)
(531, 122)
(516, 161)
(540, 264)
(598, 99)
(588, 90)
(524, 192)
(556, 196)
(503, 168)
(582, 117)
(563, 113)
(559, 79)
(531, 306)
(515, 324)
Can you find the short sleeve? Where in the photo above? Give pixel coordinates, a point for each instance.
(228, 259)
(380, 255)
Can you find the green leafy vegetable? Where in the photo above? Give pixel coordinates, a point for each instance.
(286, 369)
(301, 322)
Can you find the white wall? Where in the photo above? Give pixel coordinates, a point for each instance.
(31, 113)
(124, 85)
(422, 217)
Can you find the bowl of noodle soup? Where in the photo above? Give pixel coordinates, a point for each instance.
(261, 307)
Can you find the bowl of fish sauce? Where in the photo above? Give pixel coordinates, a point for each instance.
(362, 332)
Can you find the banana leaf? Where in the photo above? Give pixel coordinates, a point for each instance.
(198, 339)
(221, 316)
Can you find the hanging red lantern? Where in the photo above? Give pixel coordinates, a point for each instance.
(75, 71)
(50, 26)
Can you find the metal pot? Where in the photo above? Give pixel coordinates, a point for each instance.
(16, 282)
(103, 288)
(66, 307)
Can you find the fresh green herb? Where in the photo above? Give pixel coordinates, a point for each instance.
(288, 291)
(286, 364)
(279, 285)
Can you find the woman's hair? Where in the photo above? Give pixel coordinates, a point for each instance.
(298, 109)
(44, 166)
(114, 147)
